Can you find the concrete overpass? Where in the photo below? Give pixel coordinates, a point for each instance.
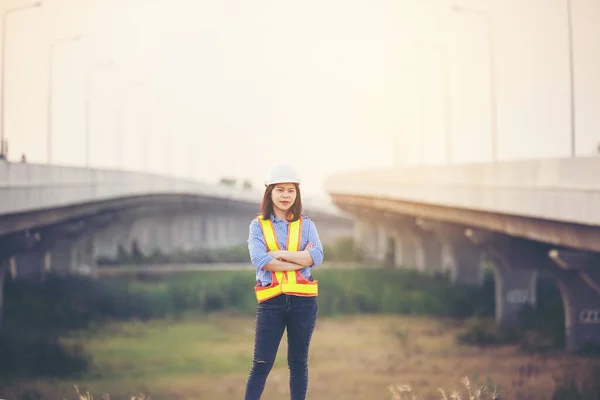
(63, 219)
(523, 216)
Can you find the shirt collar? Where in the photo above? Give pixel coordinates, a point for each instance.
(275, 219)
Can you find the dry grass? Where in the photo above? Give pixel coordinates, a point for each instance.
(405, 392)
(352, 357)
(106, 396)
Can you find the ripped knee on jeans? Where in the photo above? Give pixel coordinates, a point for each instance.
(263, 364)
(261, 368)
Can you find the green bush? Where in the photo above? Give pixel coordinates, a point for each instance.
(27, 353)
(74, 301)
(342, 249)
(481, 331)
(538, 329)
(136, 257)
(65, 303)
(568, 387)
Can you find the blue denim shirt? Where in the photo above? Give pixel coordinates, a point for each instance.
(258, 248)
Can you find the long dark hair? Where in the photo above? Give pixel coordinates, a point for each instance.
(266, 207)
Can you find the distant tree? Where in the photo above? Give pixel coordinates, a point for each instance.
(247, 185)
(136, 254)
(227, 181)
(122, 255)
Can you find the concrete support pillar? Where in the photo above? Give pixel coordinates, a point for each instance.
(196, 230)
(240, 227)
(108, 239)
(382, 243)
(3, 273)
(408, 249)
(375, 241)
(462, 261)
(35, 267)
(62, 256)
(167, 233)
(415, 248)
(432, 251)
(365, 240)
(191, 241)
(231, 231)
(155, 233)
(181, 228)
(460, 258)
(513, 290)
(515, 262)
(578, 277)
(397, 240)
(71, 253)
(212, 233)
(238, 230)
(84, 257)
(205, 231)
(227, 231)
(221, 231)
(146, 232)
(175, 229)
(31, 266)
(186, 232)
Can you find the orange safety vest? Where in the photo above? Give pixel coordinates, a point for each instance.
(292, 282)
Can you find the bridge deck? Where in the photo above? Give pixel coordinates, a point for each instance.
(565, 190)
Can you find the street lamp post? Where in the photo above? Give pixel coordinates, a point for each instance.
(421, 119)
(37, 4)
(120, 111)
(170, 137)
(146, 143)
(447, 99)
(571, 76)
(492, 73)
(149, 127)
(91, 69)
(395, 158)
(191, 149)
(191, 161)
(56, 43)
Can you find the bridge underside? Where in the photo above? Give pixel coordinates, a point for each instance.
(576, 236)
(70, 239)
(435, 239)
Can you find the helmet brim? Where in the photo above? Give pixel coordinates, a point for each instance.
(267, 183)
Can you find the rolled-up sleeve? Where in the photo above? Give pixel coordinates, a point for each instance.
(257, 246)
(317, 251)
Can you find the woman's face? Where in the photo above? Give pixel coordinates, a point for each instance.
(283, 196)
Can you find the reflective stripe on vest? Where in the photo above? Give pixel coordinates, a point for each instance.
(292, 282)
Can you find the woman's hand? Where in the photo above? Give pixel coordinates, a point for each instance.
(278, 254)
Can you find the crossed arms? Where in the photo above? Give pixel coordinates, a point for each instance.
(282, 260)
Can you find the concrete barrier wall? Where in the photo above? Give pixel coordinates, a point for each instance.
(29, 187)
(554, 189)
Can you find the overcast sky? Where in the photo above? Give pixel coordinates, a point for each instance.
(226, 88)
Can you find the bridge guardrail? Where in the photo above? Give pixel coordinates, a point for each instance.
(557, 189)
(26, 187)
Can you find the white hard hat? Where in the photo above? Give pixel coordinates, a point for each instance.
(282, 173)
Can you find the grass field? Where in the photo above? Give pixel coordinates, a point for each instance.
(352, 357)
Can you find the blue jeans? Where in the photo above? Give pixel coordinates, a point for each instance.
(298, 315)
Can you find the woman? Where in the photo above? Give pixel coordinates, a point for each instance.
(284, 246)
